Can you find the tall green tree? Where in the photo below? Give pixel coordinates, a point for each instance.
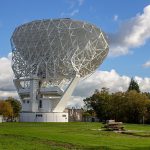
(133, 86)
(136, 106)
(118, 103)
(99, 102)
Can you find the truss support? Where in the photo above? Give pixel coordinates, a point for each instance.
(67, 94)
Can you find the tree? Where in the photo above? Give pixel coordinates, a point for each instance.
(118, 103)
(133, 86)
(136, 106)
(147, 113)
(128, 106)
(6, 109)
(99, 102)
(16, 106)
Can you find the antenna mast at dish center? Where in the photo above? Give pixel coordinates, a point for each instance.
(49, 54)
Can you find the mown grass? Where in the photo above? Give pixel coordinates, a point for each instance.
(62, 136)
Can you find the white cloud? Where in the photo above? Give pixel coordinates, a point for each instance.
(74, 12)
(5, 94)
(73, 3)
(73, 8)
(144, 83)
(6, 77)
(147, 64)
(115, 17)
(80, 2)
(131, 34)
(70, 14)
(6, 74)
(110, 79)
(76, 101)
(99, 79)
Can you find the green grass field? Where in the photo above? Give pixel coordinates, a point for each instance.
(62, 136)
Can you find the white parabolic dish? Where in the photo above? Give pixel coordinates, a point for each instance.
(55, 49)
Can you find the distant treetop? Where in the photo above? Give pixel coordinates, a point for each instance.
(133, 86)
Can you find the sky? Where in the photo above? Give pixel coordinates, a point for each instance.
(126, 23)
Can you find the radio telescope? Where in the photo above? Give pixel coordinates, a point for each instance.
(48, 59)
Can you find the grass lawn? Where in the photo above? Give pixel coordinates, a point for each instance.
(62, 136)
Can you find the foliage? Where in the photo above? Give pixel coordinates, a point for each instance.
(128, 106)
(133, 86)
(10, 108)
(16, 105)
(136, 106)
(6, 109)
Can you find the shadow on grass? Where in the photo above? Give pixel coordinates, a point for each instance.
(53, 144)
(137, 134)
(58, 145)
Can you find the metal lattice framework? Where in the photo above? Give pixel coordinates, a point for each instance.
(57, 49)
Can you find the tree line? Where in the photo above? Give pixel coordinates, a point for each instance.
(10, 108)
(131, 106)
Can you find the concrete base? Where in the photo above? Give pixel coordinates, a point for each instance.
(43, 117)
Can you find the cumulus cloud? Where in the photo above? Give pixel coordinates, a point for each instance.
(5, 94)
(76, 101)
(144, 83)
(147, 64)
(131, 34)
(6, 77)
(6, 74)
(109, 79)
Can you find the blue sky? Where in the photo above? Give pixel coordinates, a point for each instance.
(126, 22)
(107, 14)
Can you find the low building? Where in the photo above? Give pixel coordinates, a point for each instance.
(75, 114)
